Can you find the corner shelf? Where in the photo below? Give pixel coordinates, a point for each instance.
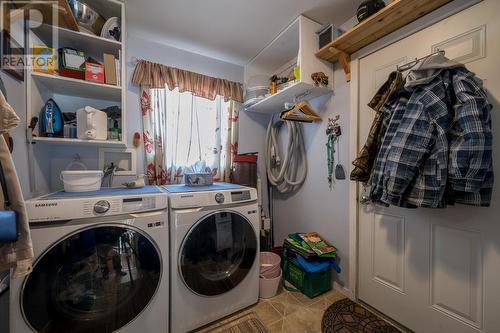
(80, 142)
(275, 103)
(291, 47)
(394, 16)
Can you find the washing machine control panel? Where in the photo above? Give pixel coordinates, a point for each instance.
(48, 210)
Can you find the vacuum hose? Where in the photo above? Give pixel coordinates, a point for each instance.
(283, 172)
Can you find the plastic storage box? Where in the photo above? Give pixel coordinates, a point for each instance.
(310, 284)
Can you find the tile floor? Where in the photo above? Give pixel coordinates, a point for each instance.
(287, 312)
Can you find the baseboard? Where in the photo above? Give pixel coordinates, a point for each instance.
(343, 290)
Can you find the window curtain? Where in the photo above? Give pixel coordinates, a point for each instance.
(153, 75)
(230, 148)
(154, 122)
(181, 128)
(182, 131)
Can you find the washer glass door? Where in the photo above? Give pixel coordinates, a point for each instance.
(96, 280)
(217, 253)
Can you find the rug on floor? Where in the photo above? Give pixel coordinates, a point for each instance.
(346, 316)
(248, 323)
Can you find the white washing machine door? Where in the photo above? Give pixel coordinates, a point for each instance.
(97, 279)
(217, 253)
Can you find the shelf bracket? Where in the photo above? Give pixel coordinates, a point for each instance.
(345, 61)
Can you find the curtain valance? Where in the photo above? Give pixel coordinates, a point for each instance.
(153, 75)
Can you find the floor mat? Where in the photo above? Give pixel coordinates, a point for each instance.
(346, 316)
(248, 323)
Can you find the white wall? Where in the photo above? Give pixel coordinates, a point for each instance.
(313, 207)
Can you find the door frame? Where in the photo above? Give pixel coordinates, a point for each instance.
(354, 188)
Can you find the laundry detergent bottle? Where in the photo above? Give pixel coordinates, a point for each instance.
(51, 120)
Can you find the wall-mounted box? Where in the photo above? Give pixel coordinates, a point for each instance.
(124, 159)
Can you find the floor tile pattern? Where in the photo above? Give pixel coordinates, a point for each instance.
(287, 312)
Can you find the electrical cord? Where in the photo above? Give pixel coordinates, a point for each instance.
(283, 173)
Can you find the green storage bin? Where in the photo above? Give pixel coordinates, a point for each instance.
(310, 284)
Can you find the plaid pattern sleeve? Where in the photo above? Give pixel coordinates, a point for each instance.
(470, 166)
(393, 112)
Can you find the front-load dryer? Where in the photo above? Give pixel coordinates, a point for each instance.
(214, 253)
(101, 264)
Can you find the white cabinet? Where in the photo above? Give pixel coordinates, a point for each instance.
(296, 44)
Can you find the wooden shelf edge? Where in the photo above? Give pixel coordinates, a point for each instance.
(394, 16)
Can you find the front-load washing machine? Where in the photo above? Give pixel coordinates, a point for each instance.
(214, 261)
(101, 264)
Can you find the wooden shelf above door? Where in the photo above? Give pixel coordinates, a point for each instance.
(394, 16)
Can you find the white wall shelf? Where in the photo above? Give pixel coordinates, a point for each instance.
(72, 94)
(294, 45)
(94, 45)
(275, 103)
(79, 142)
(74, 87)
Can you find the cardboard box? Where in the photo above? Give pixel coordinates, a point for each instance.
(44, 60)
(110, 69)
(72, 63)
(94, 72)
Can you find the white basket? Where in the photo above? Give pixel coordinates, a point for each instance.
(269, 287)
(81, 180)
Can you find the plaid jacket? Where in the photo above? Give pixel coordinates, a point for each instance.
(364, 163)
(440, 134)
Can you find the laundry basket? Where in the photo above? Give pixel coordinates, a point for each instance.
(270, 274)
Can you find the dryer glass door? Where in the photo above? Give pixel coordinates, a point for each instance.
(96, 280)
(217, 253)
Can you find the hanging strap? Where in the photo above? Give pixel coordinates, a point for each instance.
(4, 188)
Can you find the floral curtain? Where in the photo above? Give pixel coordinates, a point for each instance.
(230, 148)
(182, 131)
(153, 110)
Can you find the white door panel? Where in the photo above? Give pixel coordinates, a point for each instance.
(435, 270)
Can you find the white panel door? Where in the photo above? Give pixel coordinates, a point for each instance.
(436, 270)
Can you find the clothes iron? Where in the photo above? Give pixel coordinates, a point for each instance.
(51, 120)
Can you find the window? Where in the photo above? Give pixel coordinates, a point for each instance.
(195, 130)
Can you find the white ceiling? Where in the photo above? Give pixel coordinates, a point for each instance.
(230, 30)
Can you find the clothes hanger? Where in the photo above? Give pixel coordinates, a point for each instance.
(411, 64)
(301, 111)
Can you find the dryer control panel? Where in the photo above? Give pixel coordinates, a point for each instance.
(212, 198)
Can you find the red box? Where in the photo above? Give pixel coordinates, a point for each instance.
(72, 73)
(94, 72)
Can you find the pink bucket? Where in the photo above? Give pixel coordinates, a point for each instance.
(270, 265)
